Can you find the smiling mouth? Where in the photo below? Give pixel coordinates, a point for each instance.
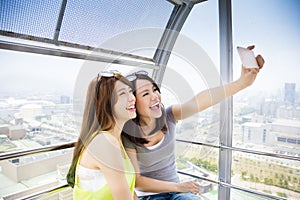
(131, 108)
(154, 106)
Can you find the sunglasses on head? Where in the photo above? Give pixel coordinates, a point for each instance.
(133, 76)
(108, 73)
(105, 74)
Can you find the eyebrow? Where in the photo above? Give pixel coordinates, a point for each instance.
(145, 90)
(123, 89)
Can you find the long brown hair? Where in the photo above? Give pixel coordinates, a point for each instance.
(98, 114)
(131, 129)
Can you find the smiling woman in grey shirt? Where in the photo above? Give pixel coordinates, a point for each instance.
(149, 139)
(157, 161)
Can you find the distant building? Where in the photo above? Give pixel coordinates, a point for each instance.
(4, 129)
(257, 133)
(65, 99)
(282, 132)
(269, 107)
(287, 132)
(288, 112)
(18, 119)
(16, 132)
(31, 111)
(290, 93)
(31, 166)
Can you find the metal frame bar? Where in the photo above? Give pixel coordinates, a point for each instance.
(33, 195)
(15, 154)
(243, 150)
(10, 155)
(72, 54)
(59, 21)
(168, 39)
(226, 107)
(161, 57)
(28, 38)
(232, 186)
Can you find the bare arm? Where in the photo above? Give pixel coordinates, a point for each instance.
(153, 185)
(210, 97)
(108, 156)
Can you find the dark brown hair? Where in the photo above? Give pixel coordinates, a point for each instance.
(131, 129)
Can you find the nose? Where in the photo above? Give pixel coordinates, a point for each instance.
(131, 97)
(154, 96)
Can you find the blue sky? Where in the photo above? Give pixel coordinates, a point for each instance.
(272, 25)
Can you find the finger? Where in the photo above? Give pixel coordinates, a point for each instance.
(260, 61)
(250, 47)
(254, 71)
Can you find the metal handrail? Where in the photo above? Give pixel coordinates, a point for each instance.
(232, 186)
(15, 154)
(275, 155)
(27, 195)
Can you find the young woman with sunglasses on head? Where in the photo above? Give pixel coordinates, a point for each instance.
(100, 167)
(149, 139)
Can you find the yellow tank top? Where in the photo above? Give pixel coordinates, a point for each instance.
(104, 192)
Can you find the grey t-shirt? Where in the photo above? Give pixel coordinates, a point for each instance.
(158, 163)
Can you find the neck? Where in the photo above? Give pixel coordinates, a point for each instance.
(147, 124)
(117, 130)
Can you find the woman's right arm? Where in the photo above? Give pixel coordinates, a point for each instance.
(108, 156)
(158, 186)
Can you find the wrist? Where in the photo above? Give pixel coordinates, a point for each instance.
(240, 84)
(175, 187)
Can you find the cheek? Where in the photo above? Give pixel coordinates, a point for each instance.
(159, 97)
(140, 104)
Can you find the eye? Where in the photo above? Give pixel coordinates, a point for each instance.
(121, 93)
(145, 94)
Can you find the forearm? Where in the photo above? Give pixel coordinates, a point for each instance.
(221, 93)
(153, 185)
(206, 99)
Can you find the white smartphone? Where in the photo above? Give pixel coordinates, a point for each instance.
(247, 57)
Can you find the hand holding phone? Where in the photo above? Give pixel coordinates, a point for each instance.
(247, 57)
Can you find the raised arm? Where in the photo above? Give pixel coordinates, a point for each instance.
(157, 186)
(212, 96)
(108, 156)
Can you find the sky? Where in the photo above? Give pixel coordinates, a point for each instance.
(272, 25)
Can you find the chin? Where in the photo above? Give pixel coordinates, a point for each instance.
(133, 116)
(158, 115)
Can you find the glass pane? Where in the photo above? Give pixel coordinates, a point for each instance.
(193, 67)
(276, 176)
(41, 113)
(93, 23)
(36, 102)
(31, 17)
(39, 171)
(202, 26)
(266, 114)
(197, 160)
